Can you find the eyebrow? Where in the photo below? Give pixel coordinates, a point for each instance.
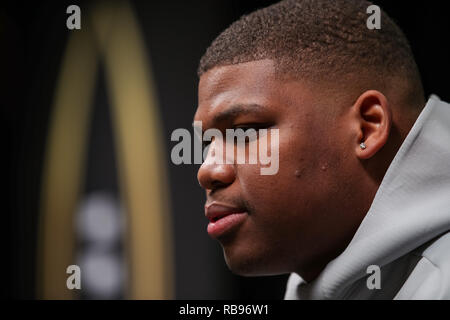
(235, 110)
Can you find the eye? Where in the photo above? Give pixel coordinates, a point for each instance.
(254, 126)
(248, 129)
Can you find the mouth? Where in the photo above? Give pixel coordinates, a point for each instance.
(223, 218)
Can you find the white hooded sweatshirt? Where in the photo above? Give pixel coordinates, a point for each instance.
(406, 232)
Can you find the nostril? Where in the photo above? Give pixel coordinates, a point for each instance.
(213, 176)
(216, 184)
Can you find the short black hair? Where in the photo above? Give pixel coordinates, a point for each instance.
(318, 39)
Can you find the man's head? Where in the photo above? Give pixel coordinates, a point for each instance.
(314, 71)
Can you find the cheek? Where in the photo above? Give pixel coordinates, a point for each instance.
(300, 187)
(279, 192)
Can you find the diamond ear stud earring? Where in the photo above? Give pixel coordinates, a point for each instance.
(363, 145)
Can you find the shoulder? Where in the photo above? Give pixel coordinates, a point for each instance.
(430, 278)
(439, 251)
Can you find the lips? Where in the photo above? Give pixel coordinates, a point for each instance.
(217, 211)
(223, 218)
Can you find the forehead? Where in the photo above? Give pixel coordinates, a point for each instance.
(245, 83)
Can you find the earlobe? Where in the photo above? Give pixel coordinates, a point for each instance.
(374, 118)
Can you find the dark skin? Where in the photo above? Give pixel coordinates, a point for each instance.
(304, 216)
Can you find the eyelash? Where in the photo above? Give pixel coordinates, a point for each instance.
(256, 127)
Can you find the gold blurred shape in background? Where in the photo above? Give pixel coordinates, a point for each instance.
(109, 32)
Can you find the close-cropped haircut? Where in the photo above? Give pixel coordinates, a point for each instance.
(320, 40)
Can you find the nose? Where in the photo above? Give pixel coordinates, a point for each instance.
(215, 174)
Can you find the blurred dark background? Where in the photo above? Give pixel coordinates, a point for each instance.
(176, 34)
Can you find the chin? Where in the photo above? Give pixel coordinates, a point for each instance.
(249, 264)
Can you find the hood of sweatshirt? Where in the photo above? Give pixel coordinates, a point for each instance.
(410, 208)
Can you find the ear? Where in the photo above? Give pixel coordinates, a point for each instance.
(374, 119)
